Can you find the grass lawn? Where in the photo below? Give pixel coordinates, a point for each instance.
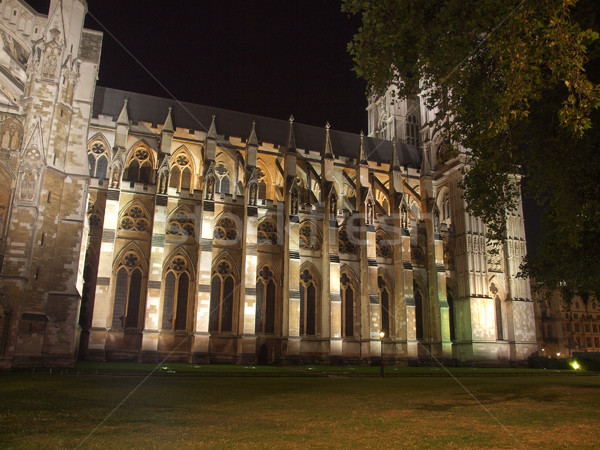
(50, 411)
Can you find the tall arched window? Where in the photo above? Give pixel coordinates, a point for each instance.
(176, 296)
(128, 293)
(412, 130)
(98, 158)
(222, 173)
(418, 310)
(384, 301)
(265, 302)
(181, 171)
(498, 306)
(451, 315)
(221, 299)
(262, 189)
(308, 304)
(347, 292)
(139, 168)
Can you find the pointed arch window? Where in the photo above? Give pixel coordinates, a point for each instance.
(93, 214)
(135, 219)
(226, 229)
(221, 299)
(384, 248)
(412, 130)
(11, 134)
(309, 236)
(140, 166)
(498, 307)
(265, 302)
(418, 310)
(346, 242)
(267, 233)
(308, 304)
(348, 294)
(451, 315)
(176, 296)
(98, 159)
(262, 189)
(181, 171)
(222, 175)
(384, 302)
(181, 224)
(128, 293)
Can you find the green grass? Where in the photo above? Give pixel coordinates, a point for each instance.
(54, 411)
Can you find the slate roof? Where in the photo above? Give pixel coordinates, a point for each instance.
(147, 108)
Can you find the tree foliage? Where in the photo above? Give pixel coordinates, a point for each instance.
(516, 84)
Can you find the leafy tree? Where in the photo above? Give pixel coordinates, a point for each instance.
(516, 84)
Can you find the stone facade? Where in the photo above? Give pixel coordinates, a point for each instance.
(216, 236)
(48, 69)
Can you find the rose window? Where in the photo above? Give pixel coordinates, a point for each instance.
(178, 264)
(131, 260)
(267, 233)
(98, 148)
(308, 237)
(135, 219)
(225, 230)
(344, 243)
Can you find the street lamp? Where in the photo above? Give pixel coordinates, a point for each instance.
(381, 336)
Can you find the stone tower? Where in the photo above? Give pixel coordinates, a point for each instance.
(52, 66)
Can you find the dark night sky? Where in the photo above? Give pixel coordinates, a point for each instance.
(266, 57)
(269, 57)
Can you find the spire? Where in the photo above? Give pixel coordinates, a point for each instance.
(166, 134)
(291, 143)
(362, 156)
(252, 140)
(211, 141)
(395, 161)
(327, 151)
(168, 126)
(212, 130)
(251, 147)
(123, 116)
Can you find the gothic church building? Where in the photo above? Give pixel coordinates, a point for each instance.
(139, 228)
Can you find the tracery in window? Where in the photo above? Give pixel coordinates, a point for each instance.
(181, 223)
(418, 310)
(181, 170)
(98, 158)
(128, 292)
(222, 179)
(226, 229)
(267, 233)
(346, 242)
(384, 248)
(309, 236)
(176, 295)
(139, 168)
(384, 302)
(308, 303)
(412, 130)
(347, 293)
(265, 301)
(221, 298)
(93, 214)
(11, 134)
(135, 219)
